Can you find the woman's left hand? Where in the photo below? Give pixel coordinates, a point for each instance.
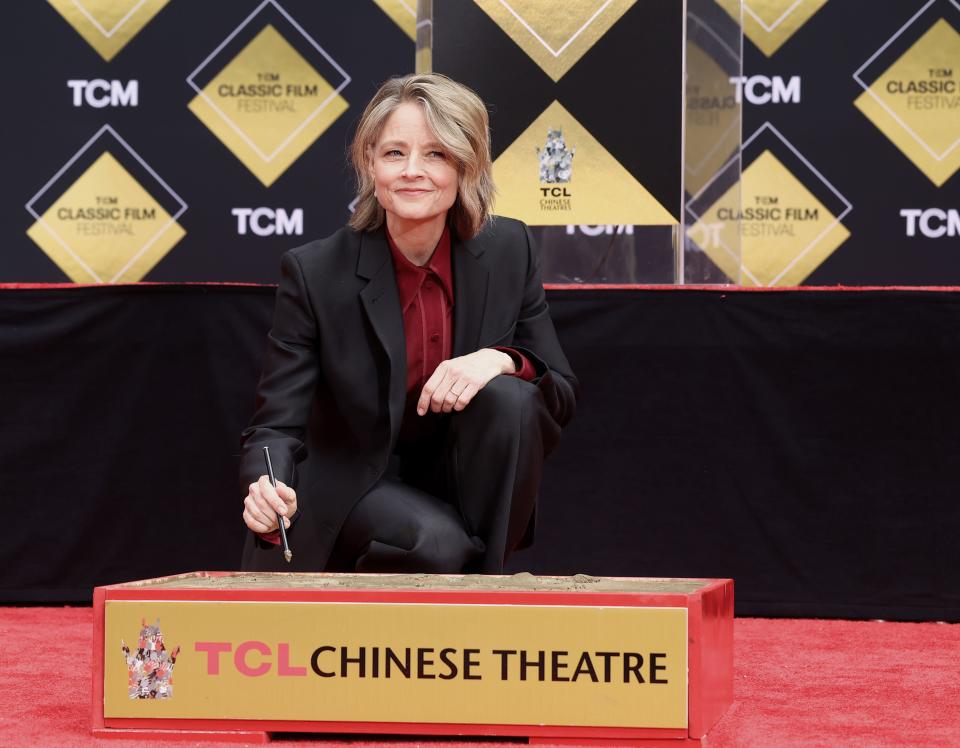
(455, 382)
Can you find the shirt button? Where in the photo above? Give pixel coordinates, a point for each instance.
(435, 337)
(427, 284)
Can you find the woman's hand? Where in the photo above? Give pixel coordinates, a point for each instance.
(455, 382)
(264, 503)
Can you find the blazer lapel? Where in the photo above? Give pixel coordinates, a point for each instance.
(470, 279)
(382, 305)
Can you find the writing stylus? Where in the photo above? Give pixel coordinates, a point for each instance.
(287, 553)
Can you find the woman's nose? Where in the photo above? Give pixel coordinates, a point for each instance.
(412, 167)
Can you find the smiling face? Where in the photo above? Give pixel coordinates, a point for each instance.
(416, 180)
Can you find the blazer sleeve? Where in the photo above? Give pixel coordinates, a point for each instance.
(287, 384)
(536, 338)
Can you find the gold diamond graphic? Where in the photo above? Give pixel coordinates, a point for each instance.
(108, 25)
(600, 190)
(403, 13)
(268, 105)
(106, 228)
(769, 23)
(786, 232)
(713, 118)
(916, 102)
(555, 37)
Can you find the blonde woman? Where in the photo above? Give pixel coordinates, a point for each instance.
(413, 381)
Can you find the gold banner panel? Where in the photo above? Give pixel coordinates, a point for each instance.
(106, 228)
(770, 23)
(374, 662)
(579, 181)
(268, 105)
(713, 120)
(555, 38)
(786, 231)
(107, 25)
(916, 102)
(403, 13)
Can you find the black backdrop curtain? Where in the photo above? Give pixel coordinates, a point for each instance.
(802, 442)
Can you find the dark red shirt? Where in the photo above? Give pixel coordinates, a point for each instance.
(426, 302)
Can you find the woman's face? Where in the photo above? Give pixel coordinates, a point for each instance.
(415, 179)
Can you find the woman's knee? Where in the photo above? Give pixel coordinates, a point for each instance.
(443, 546)
(502, 396)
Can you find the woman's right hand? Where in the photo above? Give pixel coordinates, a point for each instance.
(263, 504)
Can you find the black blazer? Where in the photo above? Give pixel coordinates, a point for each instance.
(331, 397)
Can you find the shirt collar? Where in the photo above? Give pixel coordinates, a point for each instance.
(410, 277)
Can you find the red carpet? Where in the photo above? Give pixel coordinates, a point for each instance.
(798, 683)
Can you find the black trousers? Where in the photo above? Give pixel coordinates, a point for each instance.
(460, 500)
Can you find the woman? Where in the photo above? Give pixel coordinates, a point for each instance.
(413, 381)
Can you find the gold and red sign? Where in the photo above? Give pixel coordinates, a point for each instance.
(487, 656)
(492, 664)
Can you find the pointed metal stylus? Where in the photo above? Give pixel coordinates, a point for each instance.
(287, 553)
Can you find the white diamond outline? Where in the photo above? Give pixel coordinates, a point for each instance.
(882, 103)
(540, 39)
(86, 146)
(736, 120)
(116, 26)
(758, 19)
(848, 206)
(236, 128)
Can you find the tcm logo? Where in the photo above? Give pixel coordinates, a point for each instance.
(600, 229)
(761, 89)
(267, 221)
(100, 93)
(933, 223)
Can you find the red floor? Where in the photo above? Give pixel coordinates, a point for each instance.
(797, 683)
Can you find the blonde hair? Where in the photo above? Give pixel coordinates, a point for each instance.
(458, 118)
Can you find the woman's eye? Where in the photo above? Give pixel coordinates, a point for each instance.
(393, 152)
(437, 154)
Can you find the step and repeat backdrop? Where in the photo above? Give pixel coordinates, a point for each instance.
(169, 140)
(850, 145)
(165, 140)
